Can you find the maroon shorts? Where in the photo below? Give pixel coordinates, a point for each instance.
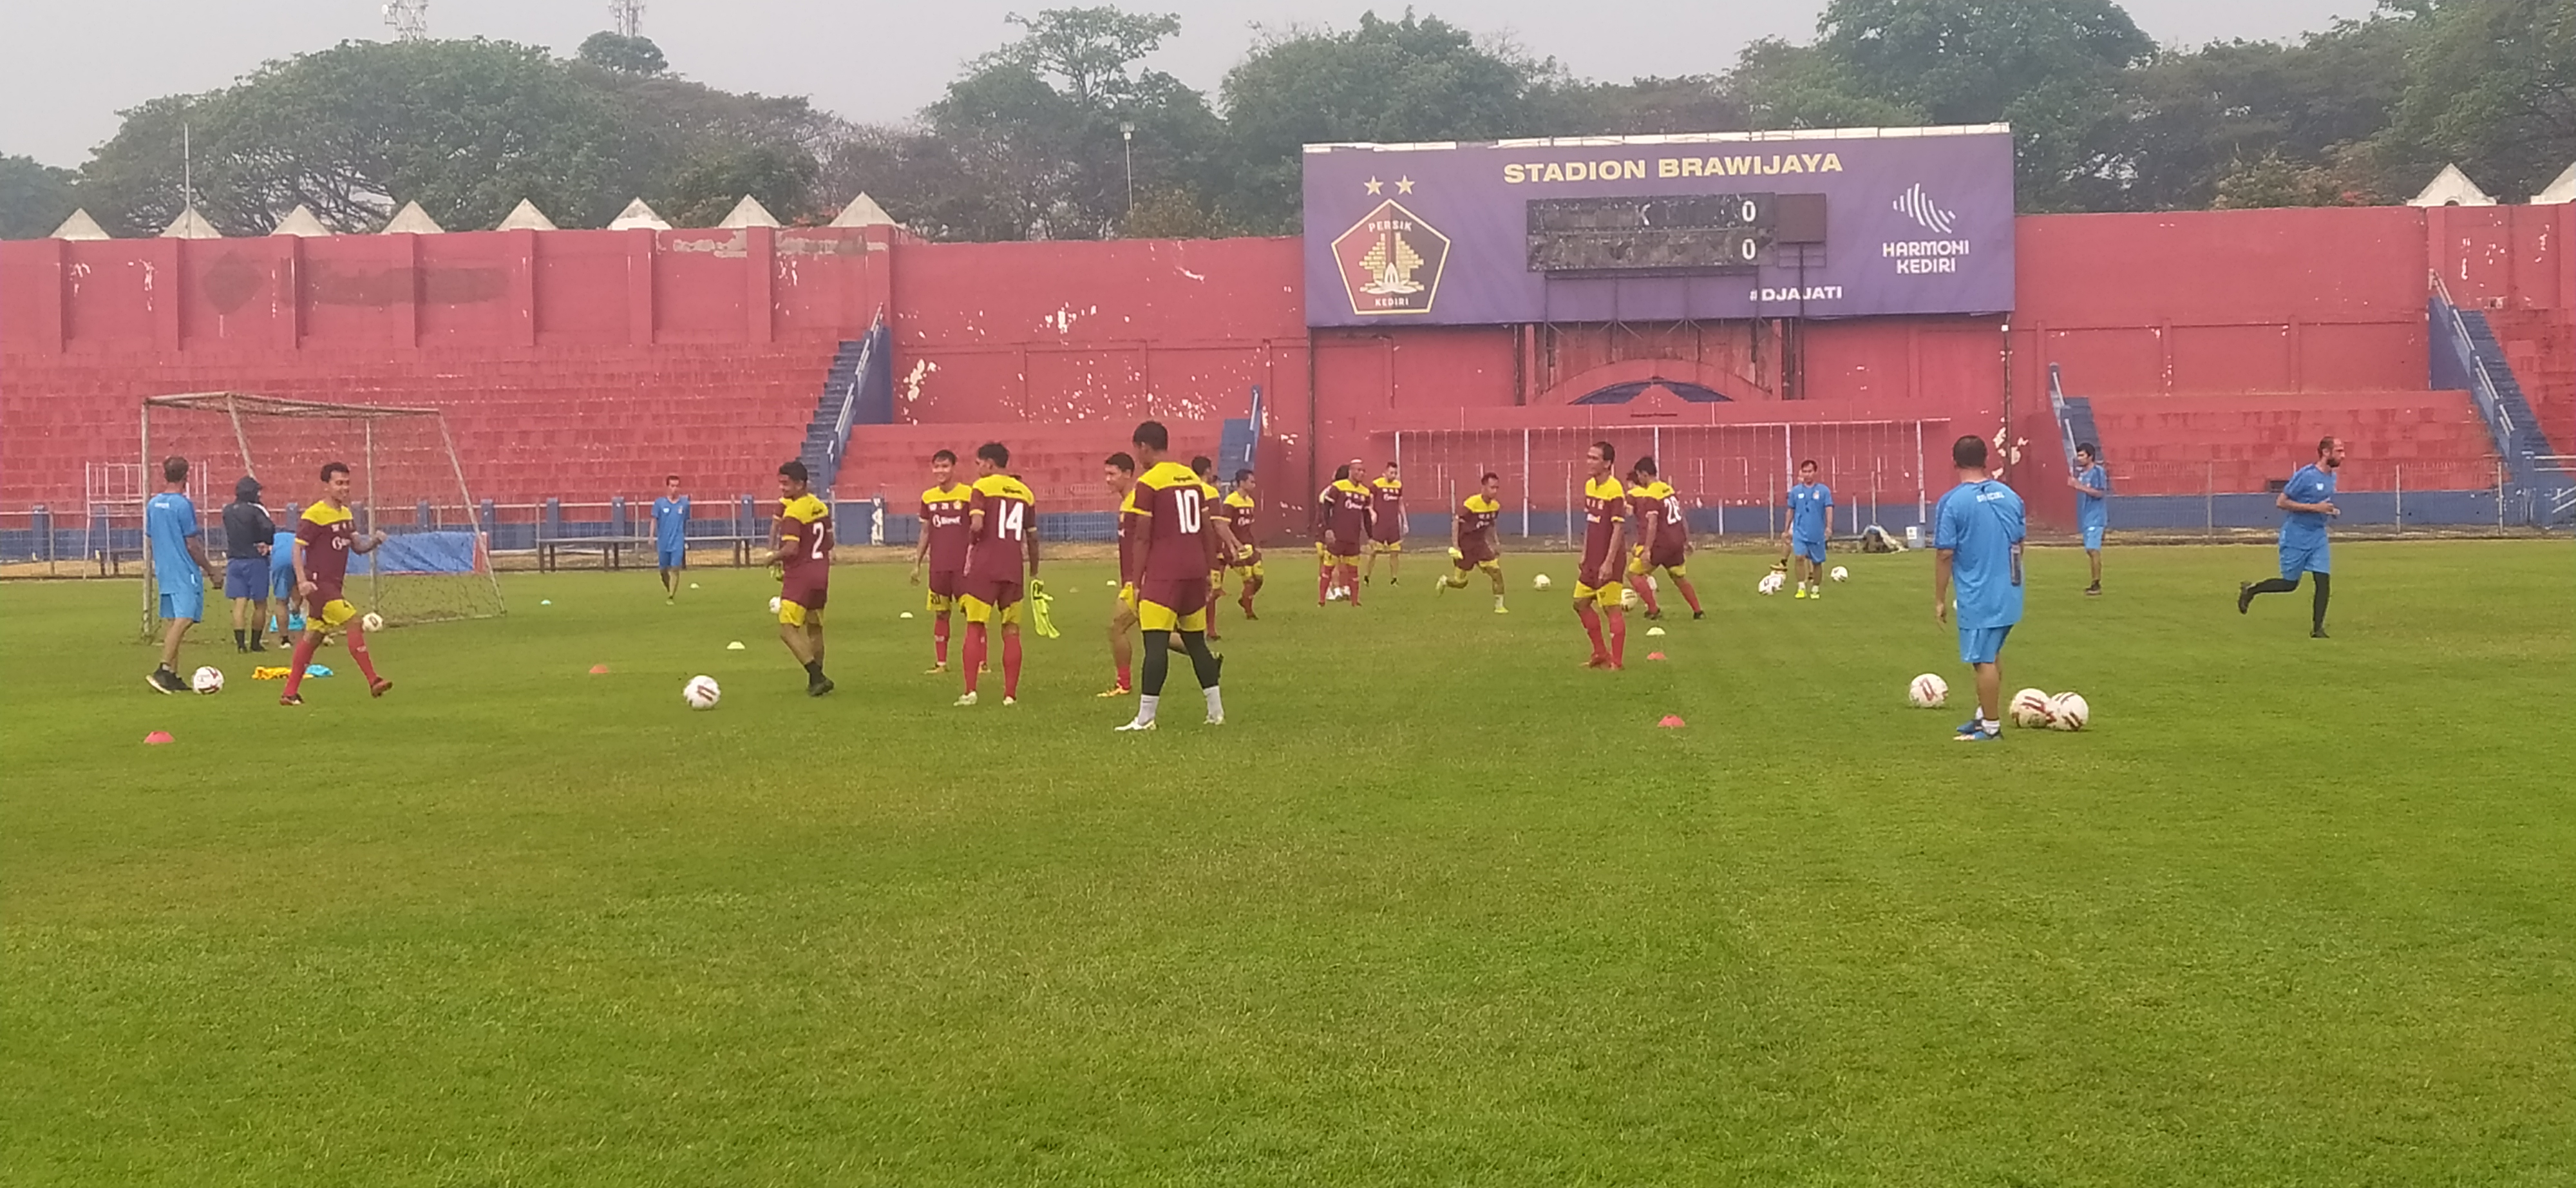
(1347, 549)
(946, 582)
(1181, 596)
(1471, 558)
(991, 592)
(1662, 557)
(810, 591)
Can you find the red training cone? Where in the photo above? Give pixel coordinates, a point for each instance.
(1671, 722)
(156, 738)
(1654, 655)
(599, 670)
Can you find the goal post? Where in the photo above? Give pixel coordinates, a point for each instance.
(407, 482)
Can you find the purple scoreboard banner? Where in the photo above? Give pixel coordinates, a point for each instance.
(1819, 224)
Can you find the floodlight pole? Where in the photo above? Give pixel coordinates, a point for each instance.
(1127, 133)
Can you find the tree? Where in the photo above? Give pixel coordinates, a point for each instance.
(1644, 106)
(1419, 78)
(1780, 85)
(35, 197)
(2490, 85)
(626, 55)
(2250, 110)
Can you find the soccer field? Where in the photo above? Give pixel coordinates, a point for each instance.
(1435, 906)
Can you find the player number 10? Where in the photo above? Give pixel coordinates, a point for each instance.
(1185, 504)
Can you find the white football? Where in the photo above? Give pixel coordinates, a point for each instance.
(1628, 597)
(2030, 709)
(773, 605)
(1928, 691)
(701, 692)
(1540, 582)
(1840, 574)
(207, 680)
(372, 621)
(2067, 711)
(1771, 583)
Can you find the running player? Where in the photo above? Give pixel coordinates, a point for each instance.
(324, 538)
(1811, 517)
(801, 556)
(2092, 506)
(1238, 511)
(1386, 523)
(1173, 552)
(1977, 530)
(1663, 538)
(180, 568)
(1120, 473)
(1002, 523)
(1347, 529)
(943, 548)
(1475, 542)
(2309, 498)
(671, 535)
(1325, 502)
(1596, 583)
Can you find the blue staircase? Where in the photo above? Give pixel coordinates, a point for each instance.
(2074, 418)
(1237, 444)
(858, 390)
(2524, 441)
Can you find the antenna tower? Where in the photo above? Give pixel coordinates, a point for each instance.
(410, 19)
(627, 16)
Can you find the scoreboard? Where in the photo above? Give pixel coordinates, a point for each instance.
(1685, 233)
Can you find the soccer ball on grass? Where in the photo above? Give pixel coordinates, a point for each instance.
(2030, 709)
(701, 693)
(1928, 691)
(2068, 711)
(372, 621)
(1540, 582)
(773, 605)
(207, 680)
(1840, 574)
(1770, 583)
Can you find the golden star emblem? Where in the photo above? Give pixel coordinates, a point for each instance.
(1374, 185)
(1403, 185)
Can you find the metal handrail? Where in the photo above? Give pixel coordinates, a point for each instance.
(840, 442)
(2482, 387)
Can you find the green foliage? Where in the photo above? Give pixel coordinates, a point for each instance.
(629, 55)
(1419, 78)
(2196, 118)
(1434, 907)
(2276, 181)
(2490, 85)
(35, 197)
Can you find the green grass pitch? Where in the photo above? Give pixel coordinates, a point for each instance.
(1435, 907)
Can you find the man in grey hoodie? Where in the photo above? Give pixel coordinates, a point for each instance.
(248, 533)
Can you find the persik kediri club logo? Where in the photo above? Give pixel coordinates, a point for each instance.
(1390, 261)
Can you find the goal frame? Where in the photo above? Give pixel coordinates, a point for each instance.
(234, 404)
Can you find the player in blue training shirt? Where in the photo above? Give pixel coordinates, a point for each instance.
(1811, 516)
(180, 568)
(2309, 498)
(2092, 507)
(671, 535)
(289, 618)
(1977, 530)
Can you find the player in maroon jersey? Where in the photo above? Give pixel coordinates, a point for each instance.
(1119, 471)
(1175, 550)
(1239, 510)
(1473, 539)
(1323, 515)
(1346, 529)
(1002, 523)
(1386, 523)
(324, 539)
(943, 547)
(1596, 583)
(1221, 525)
(1663, 538)
(801, 554)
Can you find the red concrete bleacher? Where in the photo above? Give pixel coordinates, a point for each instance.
(2185, 445)
(2540, 345)
(579, 423)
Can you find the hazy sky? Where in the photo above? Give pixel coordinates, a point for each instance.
(64, 75)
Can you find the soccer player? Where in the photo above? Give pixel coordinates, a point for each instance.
(1977, 535)
(1325, 501)
(671, 535)
(1596, 583)
(1386, 523)
(1120, 473)
(1174, 550)
(943, 547)
(802, 558)
(324, 538)
(180, 568)
(1663, 539)
(2309, 498)
(1238, 513)
(1222, 526)
(249, 534)
(1474, 541)
(1346, 529)
(1811, 518)
(281, 587)
(1002, 536)
(2092, 506)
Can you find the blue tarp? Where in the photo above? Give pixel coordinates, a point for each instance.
(419, 552)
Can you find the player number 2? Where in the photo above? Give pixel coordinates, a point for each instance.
(822, 539)
(1185, 504)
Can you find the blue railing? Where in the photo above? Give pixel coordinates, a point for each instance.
(2453, 345)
